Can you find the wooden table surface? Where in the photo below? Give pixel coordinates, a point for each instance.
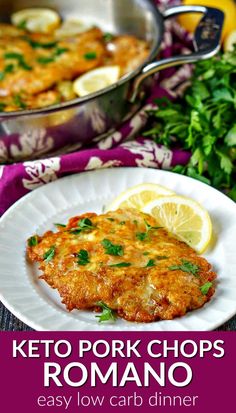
(8, 322)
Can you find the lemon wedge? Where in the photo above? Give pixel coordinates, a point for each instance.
(184, 218)
(230, 42)
(71, 27)
(138, 196)
(36, 20)
(96, 79)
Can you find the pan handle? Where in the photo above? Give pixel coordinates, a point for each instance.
(206, 41)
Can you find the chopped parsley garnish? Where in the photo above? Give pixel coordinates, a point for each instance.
(60, 50)
(33, 241)
(186, 266)
(22, 25)
(135, 222)
(162, 257)
(122, 223)
(107, 313)
(38, 45)
(83, 257)
(149, 227)
(8, 69)
(90, 55)
(108, 37)
(2, 106)
(111, 219)
(112, 249)
(83, 225)
(60, 225)
(19, 102)
(142, 236)
(44, 60)
(48, 256)
(20, 59)
(13, 55)
(146, 253)
(205, 288)
(151, 263)
(121, 264)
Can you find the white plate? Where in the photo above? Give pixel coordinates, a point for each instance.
(35, 303)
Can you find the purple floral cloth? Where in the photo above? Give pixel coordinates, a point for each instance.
(124, 147)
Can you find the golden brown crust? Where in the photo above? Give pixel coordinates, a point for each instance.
(44, 69)
(136, 292)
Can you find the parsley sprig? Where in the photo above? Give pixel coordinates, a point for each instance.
(112, 249)
(206, 287)
(48, 255)
(33, 241)
(121, 264)
(142, 236)
(203, 122)
(83, 225)
(186, 266)
(83, 257)
(107, 313)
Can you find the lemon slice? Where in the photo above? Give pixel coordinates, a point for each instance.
(138, 196)
(37, 20)
(230, 42)
(72, 27)
(184, 218)
(96, 79)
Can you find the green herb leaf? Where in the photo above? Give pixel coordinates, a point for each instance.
(162, 257)
(107, 313)
(48, 256)
(90, 55)
(19, 102)
(20, 59)
(111, 219)
(149, 227)
(121, 264)
(13, 55)
(151, 263)
(2, 106)
(33, 241)
(60, 50)
(112, 249)
(9, 68)
(22, 25)
(141, 236)
(83, 257)
(44, 60)
(186, 266)
(60, 225)
(85, 223)
(122, 223)
(205, 288)
(108, 37)
(38, 45)
(203, 122)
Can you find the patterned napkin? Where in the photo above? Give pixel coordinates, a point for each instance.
(125, 147)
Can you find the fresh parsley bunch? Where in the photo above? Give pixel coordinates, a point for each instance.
(204, 122)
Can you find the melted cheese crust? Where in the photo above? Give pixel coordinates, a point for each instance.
(146, 290)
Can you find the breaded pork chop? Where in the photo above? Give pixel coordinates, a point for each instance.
(125, 260)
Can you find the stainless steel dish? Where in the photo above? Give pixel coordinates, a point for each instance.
(30, 134)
